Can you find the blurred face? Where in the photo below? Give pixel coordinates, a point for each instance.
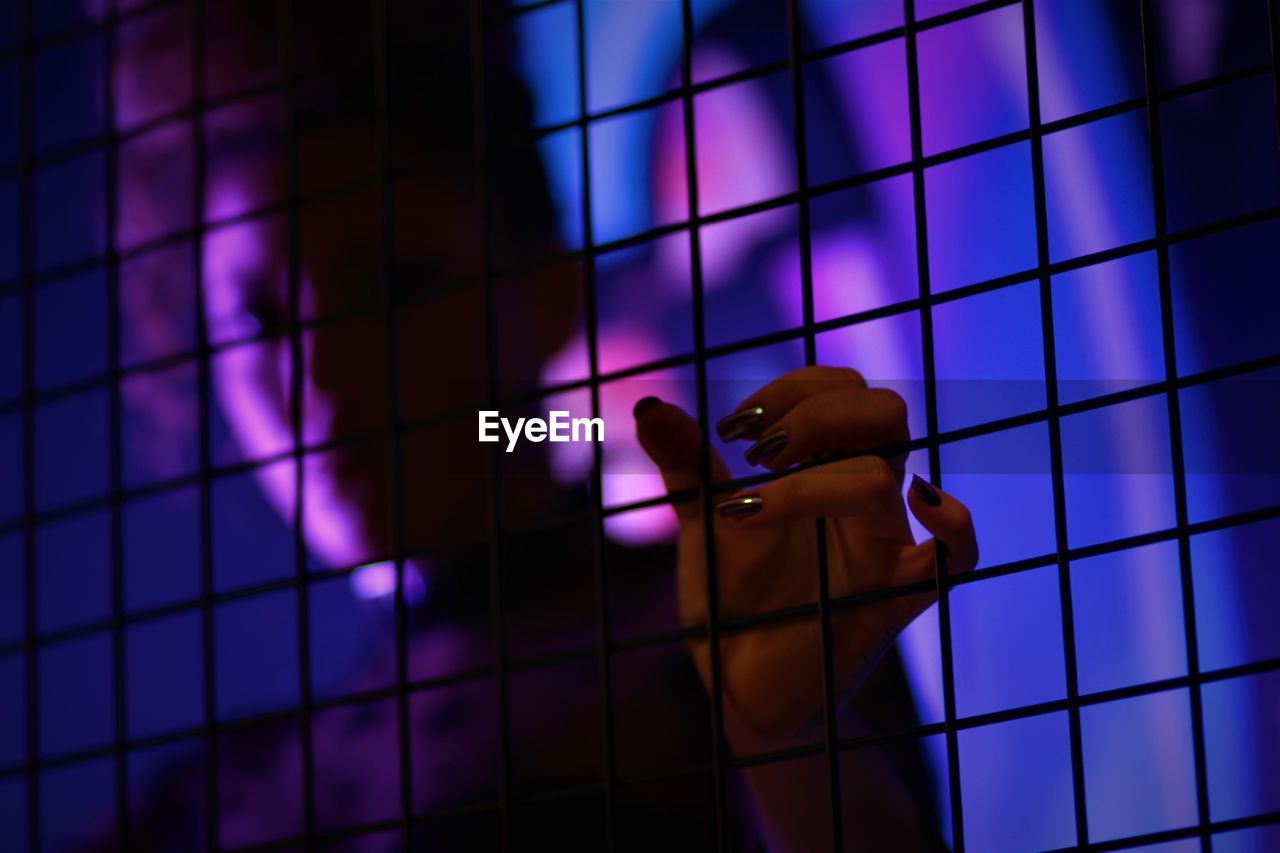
(345, 352)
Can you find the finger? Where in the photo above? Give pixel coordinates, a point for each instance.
(851, 419)
(860, 486)
(671, 438)
(766, 406)
(950, 523)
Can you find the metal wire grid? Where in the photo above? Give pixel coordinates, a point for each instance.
(721, 763)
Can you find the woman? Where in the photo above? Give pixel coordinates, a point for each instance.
(427, 493)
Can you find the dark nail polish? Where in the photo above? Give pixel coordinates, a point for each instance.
(768, 446)
(925, 490)
(740, 507)
(642, 404)
(741, 424)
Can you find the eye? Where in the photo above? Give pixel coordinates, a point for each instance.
(259, 317)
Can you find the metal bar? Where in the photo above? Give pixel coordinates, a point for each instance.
(795, 24)
(293, 264)
(718, 750)
(1151, 85)
(591, 326)
(480, 140)
(931, 418)
(384, 131)
(26, 272)
(1054, 422)
(115, 432)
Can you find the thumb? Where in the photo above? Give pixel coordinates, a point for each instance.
(670, 437)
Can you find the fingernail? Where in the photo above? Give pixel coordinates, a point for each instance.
(740, 424)
(642, 404)
(925, 490)
(740, 507)
(766, 447)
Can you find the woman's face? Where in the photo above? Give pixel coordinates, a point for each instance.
(345, 354)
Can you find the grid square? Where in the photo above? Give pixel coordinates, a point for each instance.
(161, 547)
(1208, 138)
(1232, 460)
(71, 330)
(71, 797)
(67, 97)
(989, 356)
(9, 231)
(1006, 482)
(1114, 70)
(165, 675)
(617, 77)
(13, 711)
(745, 143)
(552, 707)
(357, 764)
(12, 472)
(1106, 328)
(13, 584)
(342, 631)
(981, 217)
(730, 38)
(1117, 471)
(11, 348)
(13, 807)
(863, 248)
(1236, 585)
(455, 739)
(9, 102)
(68, 211)
(75, 701)
(157, 306)
(1006, 637)
(1098, 186)
(153, 65)
(256, 654)
(1139, 774)
(1223, 298)
(1240, 27)
(751, 275)
(73, 558)
(855, 111)
(160, 424)
(980, 63)
(1237, 761)
(71, 449)
(251, 544)
(155, 184)
(1025, 761)
(553, 29)
(644, 303)
(246, 144)
(1127, 609)
(59, 15)
(650, 734)
(623, 202)
(244, 759)
(1249, 840)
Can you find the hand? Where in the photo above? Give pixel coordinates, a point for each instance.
(766, 541)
